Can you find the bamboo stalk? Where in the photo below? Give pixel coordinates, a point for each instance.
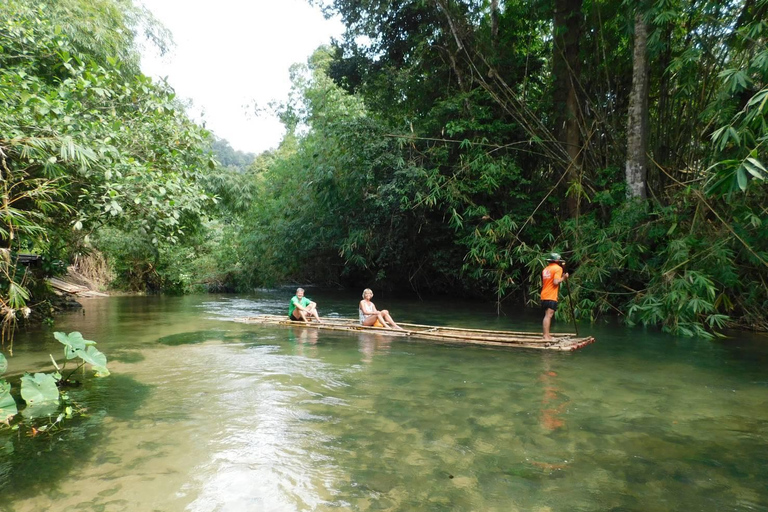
(487, 331)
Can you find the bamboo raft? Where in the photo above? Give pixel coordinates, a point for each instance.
(563, 341)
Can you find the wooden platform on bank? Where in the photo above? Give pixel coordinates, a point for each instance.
(517, 339)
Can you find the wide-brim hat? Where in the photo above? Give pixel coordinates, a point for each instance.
(555, 257)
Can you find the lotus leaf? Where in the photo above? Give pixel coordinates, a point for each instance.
(39, 388)
(72, 342)
(7, 404)
(3, 364)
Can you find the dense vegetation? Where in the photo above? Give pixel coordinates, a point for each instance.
(444, 146)
(441, 146)
(92, 153)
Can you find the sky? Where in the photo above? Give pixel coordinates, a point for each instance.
(230, 54)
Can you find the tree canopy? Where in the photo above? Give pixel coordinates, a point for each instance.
(485, 134)
(439, 146)
(86, 141)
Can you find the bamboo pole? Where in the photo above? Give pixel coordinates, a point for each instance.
(409, 326)
(451, 334)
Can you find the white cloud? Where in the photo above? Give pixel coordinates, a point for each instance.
(232, 53)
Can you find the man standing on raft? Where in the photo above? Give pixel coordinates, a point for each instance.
(301, 309)
(551, 277)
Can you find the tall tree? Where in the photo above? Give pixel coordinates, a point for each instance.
(566, 68)
(636, 169)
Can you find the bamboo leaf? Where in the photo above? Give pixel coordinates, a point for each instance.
(17, 295)
(755, 168)
(741, 176)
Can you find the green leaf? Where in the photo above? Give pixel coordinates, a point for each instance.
(3, 364)
(672, 228)
(17, 295)
(8, 407)
(755, 168)
(732, 133)
(39, 388)
(96, 359)
(760, 97)
(72, 342)
(77, 346)
(741, 176)
(41, 410)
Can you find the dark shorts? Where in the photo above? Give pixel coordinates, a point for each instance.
(549, 304)
(291, 317)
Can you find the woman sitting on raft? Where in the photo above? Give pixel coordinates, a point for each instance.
(372, 317)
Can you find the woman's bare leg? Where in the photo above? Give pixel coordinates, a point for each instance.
(371, 320)
(389, 320)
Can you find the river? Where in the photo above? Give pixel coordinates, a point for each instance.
(203, 414)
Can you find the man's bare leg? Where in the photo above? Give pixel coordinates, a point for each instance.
(548, 314)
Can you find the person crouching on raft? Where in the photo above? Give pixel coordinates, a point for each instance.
(551, 277)
(301, 309)
(372, 317)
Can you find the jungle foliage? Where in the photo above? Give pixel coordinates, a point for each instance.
(444, 146)
(439, 146)
(42, 392)
(89, 147)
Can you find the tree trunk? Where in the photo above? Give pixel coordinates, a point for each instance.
(494, 23)
(566, 68)
(637, 124)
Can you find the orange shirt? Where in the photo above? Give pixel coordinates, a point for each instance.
(549, 290)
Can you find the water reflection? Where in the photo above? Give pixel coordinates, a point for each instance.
(304, 341)
(552, 403)
(373, 345)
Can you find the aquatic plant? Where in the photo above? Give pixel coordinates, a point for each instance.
(7, 404)
(41, 391)
(77, 346)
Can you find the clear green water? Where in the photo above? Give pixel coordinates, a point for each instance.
(205, 414)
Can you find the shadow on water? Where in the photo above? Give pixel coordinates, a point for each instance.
(34, 465)
(126, 356)
(191, 338)
(196, 337)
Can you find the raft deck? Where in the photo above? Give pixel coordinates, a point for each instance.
(562, 341)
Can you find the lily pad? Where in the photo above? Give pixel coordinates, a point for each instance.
(39, 388)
